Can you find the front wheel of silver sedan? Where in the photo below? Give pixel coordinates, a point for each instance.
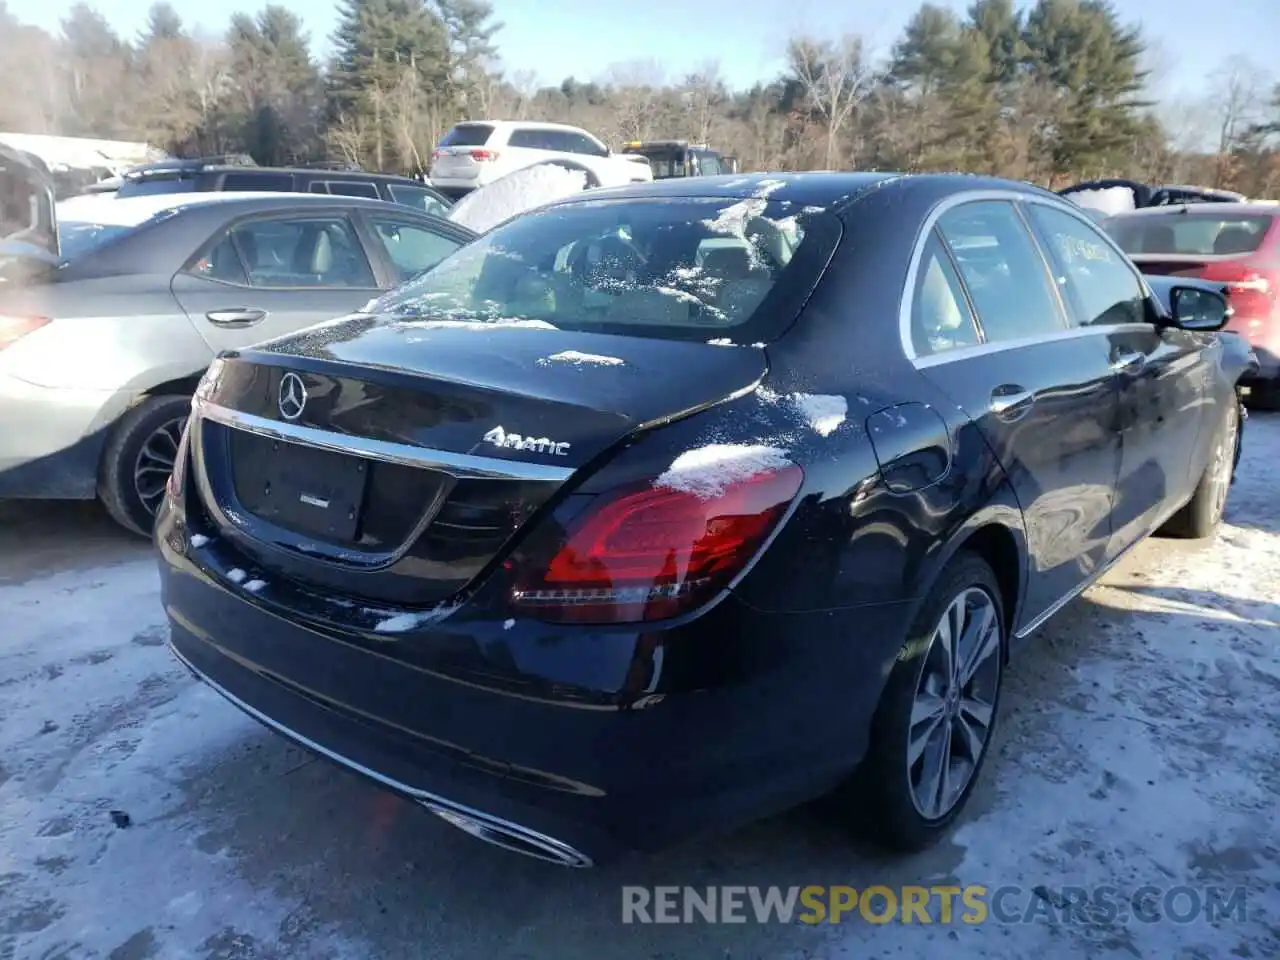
(933, 727)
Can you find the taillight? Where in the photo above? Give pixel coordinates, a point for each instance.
(13, 329)
(483, 156)
(652, 552)
(1250, 292)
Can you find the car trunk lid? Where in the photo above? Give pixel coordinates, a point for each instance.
(394, 459)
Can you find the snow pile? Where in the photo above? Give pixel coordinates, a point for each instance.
(403, 622)
(521, 190)
(580, 359)
(708, 471)
(823, 412)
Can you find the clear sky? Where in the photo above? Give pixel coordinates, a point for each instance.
(557, 38)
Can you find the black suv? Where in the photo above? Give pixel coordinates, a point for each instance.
(241, 173)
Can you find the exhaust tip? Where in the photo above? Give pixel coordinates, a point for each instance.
(511, 836)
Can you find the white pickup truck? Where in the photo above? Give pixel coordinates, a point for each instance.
(478, 152)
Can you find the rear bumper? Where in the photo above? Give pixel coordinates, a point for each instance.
(603, 742)
(50, 440)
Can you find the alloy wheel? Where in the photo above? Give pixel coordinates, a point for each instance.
(953, 712)
(155, 462)
(1222, 464)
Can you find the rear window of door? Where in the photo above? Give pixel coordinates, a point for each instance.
(261, 182)
(531, 140)
(411, 247)
(1002, 269)
(1098, 282)
(288, 253)
(352, 188)
(418, 198)
(467, 135)
(940, 316)
(569, 141)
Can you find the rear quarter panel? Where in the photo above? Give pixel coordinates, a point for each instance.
(855, 541)
(118, 335)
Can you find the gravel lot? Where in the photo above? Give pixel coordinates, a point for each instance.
(141, 816)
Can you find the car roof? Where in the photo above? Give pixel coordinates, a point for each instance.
(522, 124)
(131, 211)
(828, 189)
(1211, 209)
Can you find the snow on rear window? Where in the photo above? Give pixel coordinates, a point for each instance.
(1188, 234)
(467, 135)
(672, 267)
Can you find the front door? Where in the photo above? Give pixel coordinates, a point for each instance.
(1161, 373)
(268, 276)
(991, 332)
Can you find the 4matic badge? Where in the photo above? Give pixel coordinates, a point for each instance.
(514, 441)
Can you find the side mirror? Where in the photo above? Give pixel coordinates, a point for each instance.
(1198, 309)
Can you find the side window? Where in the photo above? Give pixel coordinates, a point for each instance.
(353, 188)
(318, 186)
(530, 139)
(1101, 287)
(418, 198)
(581, 143)
(710, 166)
(221, 263)
(316, 252)
(1002, 269)
(412, 248)
(940, 317)
(262, 182)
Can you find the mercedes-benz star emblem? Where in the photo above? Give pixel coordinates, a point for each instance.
(292, 398)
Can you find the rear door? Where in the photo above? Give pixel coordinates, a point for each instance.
(265, 276)
(989, 329)
(1162, 373)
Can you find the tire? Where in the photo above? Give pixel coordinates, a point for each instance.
(131, 468)
(890, 801)
(1203, 512)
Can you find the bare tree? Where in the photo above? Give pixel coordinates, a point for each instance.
(637, 90)
(836, 79)
(1238, 88)
(702, 97)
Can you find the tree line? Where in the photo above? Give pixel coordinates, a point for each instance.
(1063, 90)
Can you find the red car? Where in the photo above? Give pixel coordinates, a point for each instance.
(1236, 244)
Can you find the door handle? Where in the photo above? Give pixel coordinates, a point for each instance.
(1130, 363)
(1010, 401)
(237, 316)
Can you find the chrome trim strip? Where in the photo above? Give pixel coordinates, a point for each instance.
(1000, 346)
(557, 851)
(461, 465)
(1017, 198)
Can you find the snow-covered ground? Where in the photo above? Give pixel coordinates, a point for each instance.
(141, 816)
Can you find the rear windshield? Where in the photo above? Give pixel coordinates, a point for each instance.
(165, 183)
(468, 135)
(1177, 233)
(675, 268)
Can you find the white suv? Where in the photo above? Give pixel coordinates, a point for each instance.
(476, 153)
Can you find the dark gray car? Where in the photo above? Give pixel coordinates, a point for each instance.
(100, 352)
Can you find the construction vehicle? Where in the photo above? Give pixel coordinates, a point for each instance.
(680, 158)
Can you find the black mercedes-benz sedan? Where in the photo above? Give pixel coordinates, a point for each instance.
(658, 510)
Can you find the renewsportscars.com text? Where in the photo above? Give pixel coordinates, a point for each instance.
(942, 904)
